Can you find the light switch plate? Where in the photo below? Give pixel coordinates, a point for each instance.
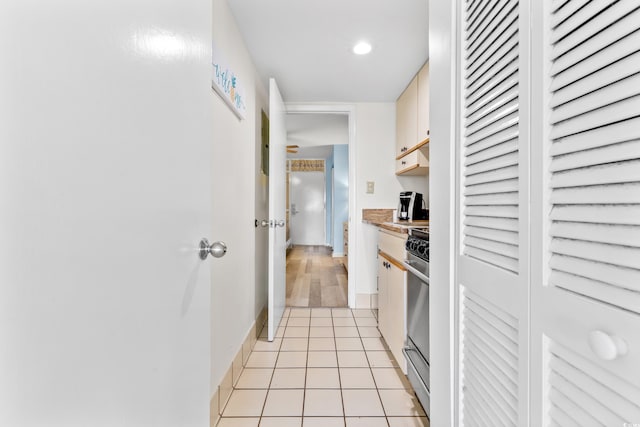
(370, 185)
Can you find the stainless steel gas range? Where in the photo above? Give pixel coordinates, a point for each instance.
(416, 350)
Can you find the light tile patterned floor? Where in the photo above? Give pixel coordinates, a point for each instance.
(326, 368)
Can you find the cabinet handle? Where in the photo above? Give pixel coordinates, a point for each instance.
(404, 163)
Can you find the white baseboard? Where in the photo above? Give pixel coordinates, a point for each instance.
(338, 254)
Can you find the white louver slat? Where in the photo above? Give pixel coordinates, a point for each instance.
(489, 363)
(595, 156)
(586, 394)
(491, 121)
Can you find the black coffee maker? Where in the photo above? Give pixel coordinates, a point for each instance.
(412, 207)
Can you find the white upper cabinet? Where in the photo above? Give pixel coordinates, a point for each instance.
(407, 119)
(423, 103)
(412, 126)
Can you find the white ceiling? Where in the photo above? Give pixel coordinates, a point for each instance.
(306, 45)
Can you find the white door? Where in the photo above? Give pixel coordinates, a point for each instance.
(105, 172)
(586, 293)
(307, 193)
(493, 260)
(277, 207)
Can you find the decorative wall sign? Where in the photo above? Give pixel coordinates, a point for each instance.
(227, 84)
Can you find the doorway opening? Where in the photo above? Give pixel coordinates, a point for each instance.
(318, 208)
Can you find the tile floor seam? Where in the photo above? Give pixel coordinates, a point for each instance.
(266, 396)
(335, 343)
(306, 372)
(375, 383)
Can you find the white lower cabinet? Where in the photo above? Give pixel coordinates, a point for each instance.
(392, 284)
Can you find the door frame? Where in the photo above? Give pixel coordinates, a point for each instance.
(350, 111)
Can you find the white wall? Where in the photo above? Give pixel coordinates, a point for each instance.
(375, 161)
(236, 191)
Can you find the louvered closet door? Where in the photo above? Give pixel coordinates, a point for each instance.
(492, 264)
(590, 304)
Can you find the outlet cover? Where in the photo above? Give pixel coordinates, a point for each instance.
(370, 185)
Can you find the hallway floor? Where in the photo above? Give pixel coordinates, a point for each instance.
(315, 278)
(326, 368)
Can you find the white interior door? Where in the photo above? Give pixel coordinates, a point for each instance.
(105, 171)
(586, 297)
(277, 207)
(307, 193)
(492, 233)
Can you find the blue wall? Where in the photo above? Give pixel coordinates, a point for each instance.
(341, 194)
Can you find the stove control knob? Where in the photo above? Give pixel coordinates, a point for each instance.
(423, 248)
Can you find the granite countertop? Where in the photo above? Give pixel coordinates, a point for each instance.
(383, 218)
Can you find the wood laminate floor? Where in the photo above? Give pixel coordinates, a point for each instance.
(315, 278)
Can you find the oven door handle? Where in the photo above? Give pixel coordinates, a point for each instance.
(405, 351)
(415, 272)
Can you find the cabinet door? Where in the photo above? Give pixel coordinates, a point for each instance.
(396, 302)
(414, 163)
(407, 118)
(383, 297)
(423, 103)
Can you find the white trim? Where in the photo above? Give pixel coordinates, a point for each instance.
(443, 98)
(350, 111)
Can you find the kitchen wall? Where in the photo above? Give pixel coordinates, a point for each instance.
(375, 161)
(237, 293)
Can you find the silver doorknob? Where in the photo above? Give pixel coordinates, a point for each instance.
(280, 223)
(216, 249)
(264, 223)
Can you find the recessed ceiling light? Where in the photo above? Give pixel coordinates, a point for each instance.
(362, 48)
